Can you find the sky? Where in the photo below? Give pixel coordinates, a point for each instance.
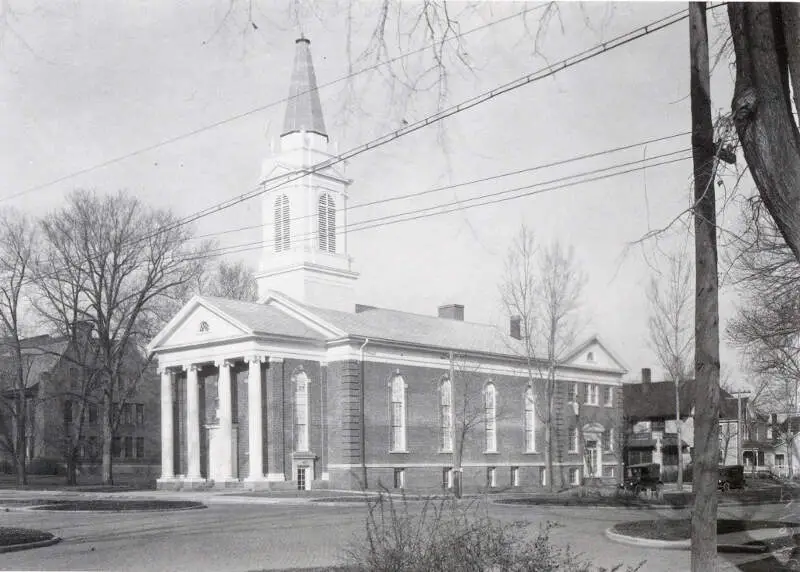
(84, 83)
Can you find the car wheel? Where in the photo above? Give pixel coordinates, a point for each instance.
(726, 487)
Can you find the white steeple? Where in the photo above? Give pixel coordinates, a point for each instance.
(304, 218)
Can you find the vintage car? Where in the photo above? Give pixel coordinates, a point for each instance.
(730, 477)
(643, 477)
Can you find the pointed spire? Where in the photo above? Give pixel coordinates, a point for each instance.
(303, 111)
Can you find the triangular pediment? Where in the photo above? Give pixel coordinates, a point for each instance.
(198, 322)
(593, 353)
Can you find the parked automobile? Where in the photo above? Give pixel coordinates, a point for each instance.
(643, 477)
(730, 477)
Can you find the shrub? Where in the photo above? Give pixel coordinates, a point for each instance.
(46, 466)
(446, 535)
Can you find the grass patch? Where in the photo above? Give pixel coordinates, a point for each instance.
(116, 505)
(12, 536)
(681, 529)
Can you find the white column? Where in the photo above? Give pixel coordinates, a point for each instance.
(192, 423)
(225, 420)
(167, 427)
(255, 421)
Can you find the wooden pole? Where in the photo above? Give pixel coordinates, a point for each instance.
(704, 515)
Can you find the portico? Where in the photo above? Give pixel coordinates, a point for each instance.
(210, 426)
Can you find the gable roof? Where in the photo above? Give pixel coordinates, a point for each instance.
(656, 400)
(264, 318)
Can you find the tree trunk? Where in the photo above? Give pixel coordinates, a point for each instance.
(762, 109)
(704, 515)
(108, 437)
(19, 444)
(678, 431)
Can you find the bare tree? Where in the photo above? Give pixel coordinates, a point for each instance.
(234, 280)
(115, 265)
(766, 326)
(670, 295)
(542, 289)
(17, 259)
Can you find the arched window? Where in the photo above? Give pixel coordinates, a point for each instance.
(327, 223)
(397, 390)
(490, 417)
(301, 412)
(445, 416)
(530, 421)
(282, 226)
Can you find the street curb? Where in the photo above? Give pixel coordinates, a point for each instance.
(28, 545)
(679, 544)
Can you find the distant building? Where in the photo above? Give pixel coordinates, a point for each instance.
(649, 411)
(309, 389)
(58, 407)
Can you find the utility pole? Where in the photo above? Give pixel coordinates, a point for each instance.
(678, 431)
(739, 425)
(704, 514)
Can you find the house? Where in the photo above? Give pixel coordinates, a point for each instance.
(651, 425)
(307, 389)
(761, 448)
(64, 410)
(649, 413)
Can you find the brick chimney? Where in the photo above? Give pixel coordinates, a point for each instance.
(646, 375)
(515, 327)
(452, 312)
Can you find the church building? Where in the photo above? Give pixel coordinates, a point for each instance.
(307, 389)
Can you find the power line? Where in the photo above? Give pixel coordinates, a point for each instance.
(543, 73)
(461, 184)
(538, 75)
(214, 125)
(490, 199)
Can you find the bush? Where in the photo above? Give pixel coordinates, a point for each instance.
(46, 466)
(6, 467)
(443, 536)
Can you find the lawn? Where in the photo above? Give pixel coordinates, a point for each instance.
(681, 529)
(14, 536)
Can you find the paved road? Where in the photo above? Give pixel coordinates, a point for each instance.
(239, 535)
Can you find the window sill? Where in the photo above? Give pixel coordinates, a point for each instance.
(401, 451)
(532, 452)
(491, 452)
(445, 451)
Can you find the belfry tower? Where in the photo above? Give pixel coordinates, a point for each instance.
(304, 217)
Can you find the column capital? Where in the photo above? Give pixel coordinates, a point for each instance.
(275, 360)
(227, 362)
(256, 358)
(190, 366)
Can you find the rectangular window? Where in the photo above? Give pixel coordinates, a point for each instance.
(779, 459)
(399, 478)
(609, 471)
(491, 477)
(608, 440)
(543, 476)
(67, 411)
(92, 414)
(140, 447)
(592, 394)
(575, 476)
(572, 397)
(447, 478)
(301, 478)
(127, 416)
(140, 414)
(514, 476)
(93, 452)
(573, 440)
(116, 447)
(608, 396)
(128, 447)
(659, 425)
